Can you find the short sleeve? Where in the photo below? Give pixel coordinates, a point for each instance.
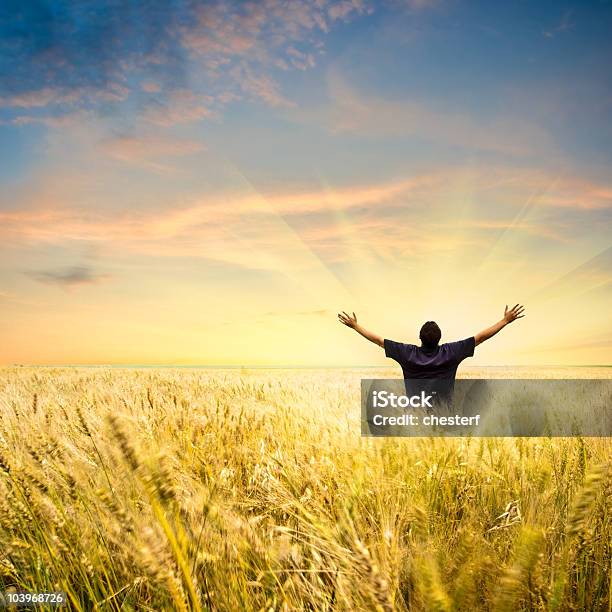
(396, 350)
(463, 348)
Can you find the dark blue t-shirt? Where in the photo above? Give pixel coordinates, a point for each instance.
(436, 367)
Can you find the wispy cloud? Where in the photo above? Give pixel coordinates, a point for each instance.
(36, 218)
(259, 86)
(43, 97)
(182, 61)
(354, 112)
(58, 120)
(69, 277)
(149, 150)
(256, 231)
(563, 25)
(42, 220)
(177, 107)
(579, 194)
(541, 229)
(415, 5)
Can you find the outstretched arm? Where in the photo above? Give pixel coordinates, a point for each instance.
(352, 323)
(509, 316)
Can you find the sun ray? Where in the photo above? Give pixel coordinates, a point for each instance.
(522, 214)
(325, 281)
(597, 267)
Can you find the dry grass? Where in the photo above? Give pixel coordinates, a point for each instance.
(253, 490)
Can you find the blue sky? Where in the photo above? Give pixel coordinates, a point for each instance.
(157, 154)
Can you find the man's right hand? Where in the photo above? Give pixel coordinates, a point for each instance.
(509, 315)
(514, 313)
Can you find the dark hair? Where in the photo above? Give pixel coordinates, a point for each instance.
(430, 334)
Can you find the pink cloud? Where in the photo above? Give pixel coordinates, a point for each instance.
(41, 98)
(183, 106)
(232, 49)
(146, 149)
(260, 86)
(53, 96)
(151, 86)
(579, 194)
(251, 39)
(301, 60)
(386, 219)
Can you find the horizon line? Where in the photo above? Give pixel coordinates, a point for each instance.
(272, 367)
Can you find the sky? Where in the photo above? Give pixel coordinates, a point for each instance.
(209, 183)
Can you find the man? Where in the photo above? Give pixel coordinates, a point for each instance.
(432, 361)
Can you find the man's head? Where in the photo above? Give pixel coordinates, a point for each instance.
(430, 334)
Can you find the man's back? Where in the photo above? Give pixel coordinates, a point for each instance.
(440, 361)
(430, 370)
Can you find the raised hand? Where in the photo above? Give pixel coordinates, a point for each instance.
(351, 321)
(346, 318)
(514, 313)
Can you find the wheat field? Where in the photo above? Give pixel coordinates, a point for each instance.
(193, 489)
